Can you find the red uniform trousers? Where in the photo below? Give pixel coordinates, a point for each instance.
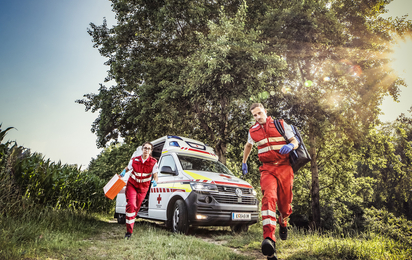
(134, 198)
(276, 182)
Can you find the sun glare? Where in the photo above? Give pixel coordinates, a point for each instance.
(402, 57)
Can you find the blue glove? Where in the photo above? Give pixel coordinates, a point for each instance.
(286, 148)
(244, 168)
(123, 173)
(154, 183)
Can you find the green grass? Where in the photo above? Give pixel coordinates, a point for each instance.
(314, 245)
(51, 234)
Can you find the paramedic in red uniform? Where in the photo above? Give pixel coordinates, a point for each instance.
(276, 174)
(143, 167)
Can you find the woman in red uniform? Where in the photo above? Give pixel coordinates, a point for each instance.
(144, 167)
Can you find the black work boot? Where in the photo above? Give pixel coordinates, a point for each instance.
(268, 247)
(283, 233)
(273, 257)
(127, 236)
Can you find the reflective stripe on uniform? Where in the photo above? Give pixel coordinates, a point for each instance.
(130, 214)
(140, 180)
(268, 222)
(268, 213)
(268, 148)
(271, 139)
(139, 174)
(130, 221)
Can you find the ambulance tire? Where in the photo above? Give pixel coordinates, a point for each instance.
(121, 219)
(179, 218)
(239, 228)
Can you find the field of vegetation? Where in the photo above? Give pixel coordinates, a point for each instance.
(68, 234)
(193, 70)
(54, 211)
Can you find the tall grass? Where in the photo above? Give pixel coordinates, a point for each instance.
(21, 235)
(59, 234)
(311, 244)
(28, 179)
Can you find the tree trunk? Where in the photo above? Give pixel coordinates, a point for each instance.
(315, 183)
(221, 152)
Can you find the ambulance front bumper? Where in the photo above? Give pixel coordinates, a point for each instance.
(217, 209)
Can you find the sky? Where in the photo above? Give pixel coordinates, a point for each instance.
(47, 62)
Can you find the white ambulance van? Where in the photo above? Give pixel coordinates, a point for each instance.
(193, 189)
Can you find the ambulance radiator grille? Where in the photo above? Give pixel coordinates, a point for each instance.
(230, 189)
(229, 199)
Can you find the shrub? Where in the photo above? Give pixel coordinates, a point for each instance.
(383, 222)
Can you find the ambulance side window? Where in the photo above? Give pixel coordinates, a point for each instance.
(167, 161)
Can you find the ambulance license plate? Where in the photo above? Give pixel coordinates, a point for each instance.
(241, 216)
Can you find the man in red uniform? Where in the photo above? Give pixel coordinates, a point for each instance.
(276, 174)
(143, 167)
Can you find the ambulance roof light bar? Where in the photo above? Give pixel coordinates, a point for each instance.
(174, 136)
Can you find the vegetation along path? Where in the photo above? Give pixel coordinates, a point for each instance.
(103, 238)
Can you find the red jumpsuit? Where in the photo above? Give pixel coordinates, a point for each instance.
(136, 188)
(276, 176)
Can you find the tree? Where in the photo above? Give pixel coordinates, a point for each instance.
(388, 159)
(196, 85)
(337, 70)
(145, 51)
(111, 160)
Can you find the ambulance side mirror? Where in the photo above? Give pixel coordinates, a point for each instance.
(167, 170)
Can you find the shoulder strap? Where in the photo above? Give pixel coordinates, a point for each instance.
(279, 127)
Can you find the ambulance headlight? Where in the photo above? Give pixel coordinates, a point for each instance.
(254, 192)
(203, 187)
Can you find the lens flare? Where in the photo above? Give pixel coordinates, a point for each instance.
(345, 67)
(308, 83)
(272, 93)
(285, 90)
(263, 95)
(356, 70)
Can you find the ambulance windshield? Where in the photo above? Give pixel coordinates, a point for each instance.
(201, 164)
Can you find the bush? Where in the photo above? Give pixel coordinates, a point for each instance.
(383, 222)
(28, 180)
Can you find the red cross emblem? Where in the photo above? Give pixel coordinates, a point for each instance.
(159, 199)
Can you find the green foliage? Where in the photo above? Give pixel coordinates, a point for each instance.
(337, 71)
(43, 229)
(343, 194)
(28, 180)
(192, 68)
(111, 160)
(385, 223)
(388, 159)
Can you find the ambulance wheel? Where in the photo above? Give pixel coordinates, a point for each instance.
(121, 219)
(179, 218)
(239, 228)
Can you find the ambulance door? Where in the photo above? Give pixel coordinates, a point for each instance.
(160, 195)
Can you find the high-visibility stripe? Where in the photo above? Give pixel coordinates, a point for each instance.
(196, 176)
(130, 214)
(139, 174)
(165, 190)
(130, 221)
(268, 148)
(268, 221)
(140, 180)
(268, 213)
(271, 139)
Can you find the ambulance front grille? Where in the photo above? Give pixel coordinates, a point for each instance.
(230, 189)
(230, 199)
